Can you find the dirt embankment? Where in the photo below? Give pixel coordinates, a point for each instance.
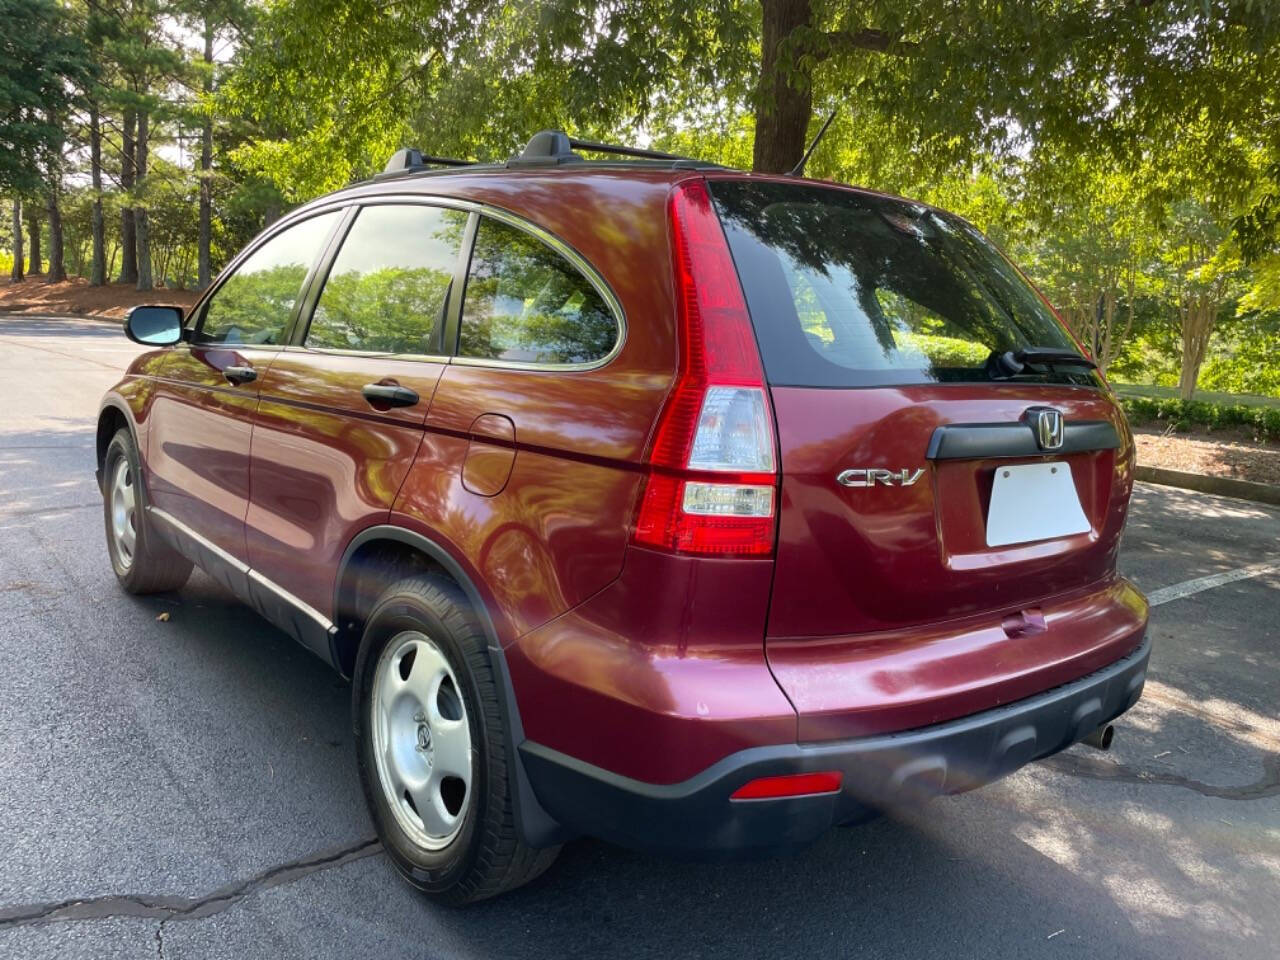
(75, 297)
(1222, 453)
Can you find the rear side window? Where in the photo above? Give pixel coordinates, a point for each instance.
(847, 289)
(255, 304)
(387, 289)
(525, 302)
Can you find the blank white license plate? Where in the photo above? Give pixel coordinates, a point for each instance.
(1033, 501)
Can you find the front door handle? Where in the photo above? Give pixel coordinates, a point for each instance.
(240, 375)
(389, 394)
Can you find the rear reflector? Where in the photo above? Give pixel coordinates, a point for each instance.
(793, 785)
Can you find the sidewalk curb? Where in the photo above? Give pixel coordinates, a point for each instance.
(53, 315)
(1221, 486)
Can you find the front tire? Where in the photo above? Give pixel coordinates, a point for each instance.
(432, 757)
(142, 562)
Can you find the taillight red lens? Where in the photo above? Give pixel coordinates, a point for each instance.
(714, 447)
(792, 785)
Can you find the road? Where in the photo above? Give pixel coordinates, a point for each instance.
(185, 787)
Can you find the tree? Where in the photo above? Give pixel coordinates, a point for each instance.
(16, 274)
(41, 58)
(35, 258)
(964, 77)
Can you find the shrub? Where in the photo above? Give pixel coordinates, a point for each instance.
(1263, 421)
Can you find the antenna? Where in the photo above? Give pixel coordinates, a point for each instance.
(798, 169)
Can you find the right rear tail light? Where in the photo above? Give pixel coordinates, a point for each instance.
(711, 487)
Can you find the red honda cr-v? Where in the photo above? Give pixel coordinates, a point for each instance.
(687, 508)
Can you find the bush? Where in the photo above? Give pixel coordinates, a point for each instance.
(1263, 421)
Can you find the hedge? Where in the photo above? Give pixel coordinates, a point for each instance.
(1182, 414)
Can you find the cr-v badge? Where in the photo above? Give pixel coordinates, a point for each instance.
(869, 477)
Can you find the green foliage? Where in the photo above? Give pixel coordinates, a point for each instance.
(1264, 421)
(41, 60)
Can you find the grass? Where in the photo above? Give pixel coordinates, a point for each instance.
(1208, 396)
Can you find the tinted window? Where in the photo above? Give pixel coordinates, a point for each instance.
(387, 289)
(847, 289)
(526, 302)
(255, 304)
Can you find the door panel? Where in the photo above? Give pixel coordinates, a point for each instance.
(202, 418)
(198, 450)
(326, 463)
(341, 414)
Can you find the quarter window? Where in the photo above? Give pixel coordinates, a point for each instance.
(525, 302)
(255, 304)
(389, 283)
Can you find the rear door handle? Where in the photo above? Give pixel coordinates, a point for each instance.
(391, 394)
(240, 374)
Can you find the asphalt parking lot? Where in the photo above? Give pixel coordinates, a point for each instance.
(185, 787)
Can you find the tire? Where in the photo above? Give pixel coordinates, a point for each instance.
(143, 563)
(424, 663)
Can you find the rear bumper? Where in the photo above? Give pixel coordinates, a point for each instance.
(697, 817)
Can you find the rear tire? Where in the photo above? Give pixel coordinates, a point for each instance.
(142, 562)
(430, 748)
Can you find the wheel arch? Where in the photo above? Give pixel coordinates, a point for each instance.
(382, 553)
(111, 417)
(379, 555)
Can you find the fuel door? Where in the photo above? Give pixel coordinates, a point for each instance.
(491, 452)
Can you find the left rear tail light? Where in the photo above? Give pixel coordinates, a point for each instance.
(711, 487)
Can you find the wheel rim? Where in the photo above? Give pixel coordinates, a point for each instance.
(124, 513)
(421, 740)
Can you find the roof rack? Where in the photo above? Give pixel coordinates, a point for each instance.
(547, 148)
(552, 147)
(411, 160)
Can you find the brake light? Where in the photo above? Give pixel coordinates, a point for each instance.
(712, 478)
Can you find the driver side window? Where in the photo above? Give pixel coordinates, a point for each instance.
(254, 304)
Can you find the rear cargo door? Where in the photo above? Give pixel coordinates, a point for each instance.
(927, 472)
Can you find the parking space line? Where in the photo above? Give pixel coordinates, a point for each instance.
(1188, 587)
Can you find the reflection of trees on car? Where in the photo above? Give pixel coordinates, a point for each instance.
(392, 310)
(525, 302)
(254, 306)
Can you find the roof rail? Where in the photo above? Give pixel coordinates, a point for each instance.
(552, 147)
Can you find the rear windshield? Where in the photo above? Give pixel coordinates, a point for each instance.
(849, 290)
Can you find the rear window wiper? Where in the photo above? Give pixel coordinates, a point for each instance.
(1013, 362)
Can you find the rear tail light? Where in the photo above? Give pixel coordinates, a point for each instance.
(712, 475)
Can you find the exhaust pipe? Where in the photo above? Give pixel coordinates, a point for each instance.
(1102, 737)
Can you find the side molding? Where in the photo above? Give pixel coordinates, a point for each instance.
(304, 623)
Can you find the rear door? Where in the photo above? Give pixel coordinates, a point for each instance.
(909, 448)
(525, 469)
(341, 410)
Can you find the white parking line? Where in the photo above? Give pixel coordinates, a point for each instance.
(1185, 589)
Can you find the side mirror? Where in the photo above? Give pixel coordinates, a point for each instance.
(154, 326)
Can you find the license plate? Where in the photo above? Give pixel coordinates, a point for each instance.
(1034, 501)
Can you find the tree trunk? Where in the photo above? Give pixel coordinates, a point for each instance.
(1199, 311)
(205, 269)
(141, 227)
(783, 103)
(36, 258)
(98, 272)
(128, 177)
(57, 271)
(16, 274)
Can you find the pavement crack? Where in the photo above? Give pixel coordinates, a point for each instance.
(160, 939)
(164, 908)
(1268, 785)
